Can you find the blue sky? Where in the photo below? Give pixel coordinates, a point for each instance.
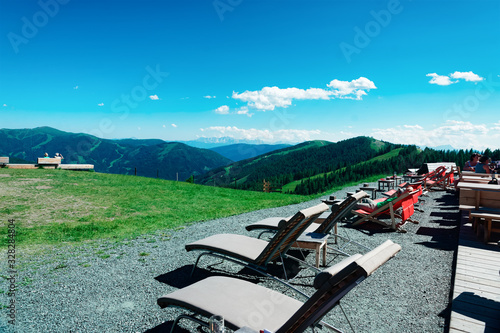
(413, 72)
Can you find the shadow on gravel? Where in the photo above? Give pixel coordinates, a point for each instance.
(180, 277)
(370, 228)
(445, 219)
(449, 200)
(166, 327)
(442, 239)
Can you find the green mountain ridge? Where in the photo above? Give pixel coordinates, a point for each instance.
(168, 160)
(294, 163)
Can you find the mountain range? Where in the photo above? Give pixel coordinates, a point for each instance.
(306, 168)
(150, 158)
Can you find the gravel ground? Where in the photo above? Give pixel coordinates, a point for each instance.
(110, 286)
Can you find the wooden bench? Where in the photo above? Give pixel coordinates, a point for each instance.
(4, 161)
(55, 161)
(76, 166)
(482, 201)
(489, 222)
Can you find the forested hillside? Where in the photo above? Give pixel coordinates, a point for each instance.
(297, 162)
(406, 158)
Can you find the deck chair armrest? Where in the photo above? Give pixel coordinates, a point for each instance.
(378, 256)
(327, 273)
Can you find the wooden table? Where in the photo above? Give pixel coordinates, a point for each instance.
(314, 241)
(385, 183)
(397, 180)
(373, 190)
(414, 178)
(473, 174)
(471, 179)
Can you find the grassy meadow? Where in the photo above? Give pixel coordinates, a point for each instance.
(60, 206)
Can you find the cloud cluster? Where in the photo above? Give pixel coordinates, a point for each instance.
(265, 135)
(154, 97)
(268, 98)
(224, 109)
(459, 134)
(444, 80)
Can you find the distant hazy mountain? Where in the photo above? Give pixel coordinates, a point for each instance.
(242, 151)
(213, 142)
(139, 142)
(170, 160)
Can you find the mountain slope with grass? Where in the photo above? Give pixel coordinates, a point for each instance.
(58, 206)
(150, 158)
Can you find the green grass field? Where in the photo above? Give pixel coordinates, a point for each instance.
(58, 206)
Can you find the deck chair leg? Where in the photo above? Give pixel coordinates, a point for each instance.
(190, 317)
(284, 268)
(333, 328)
(346, 317)
(196, 264)
(316, 270)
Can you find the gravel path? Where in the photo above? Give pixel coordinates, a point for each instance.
(113, 286)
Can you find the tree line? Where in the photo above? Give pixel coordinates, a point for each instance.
(408, 157)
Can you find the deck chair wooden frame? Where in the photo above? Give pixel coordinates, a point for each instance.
(444, 181)
(256, 253)
(389, 208)
(240, 302)
(325, 227)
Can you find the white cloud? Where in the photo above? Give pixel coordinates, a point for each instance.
(286, 135)
(174, 125)
(441, 80)
(244, 110)
(467, 76)
(5, 105)
(268, 98)
(76, 87)
(208, 96)
(224, 109)
(444, 80)
(355, 87)
(459, 134)
(100, 104)
(154, 97)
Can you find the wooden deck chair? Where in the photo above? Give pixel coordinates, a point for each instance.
(418, 192)
(433, 175)
(444, 181)
(244, 304)
(387, 209)
(256, 253)
(324, 223)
